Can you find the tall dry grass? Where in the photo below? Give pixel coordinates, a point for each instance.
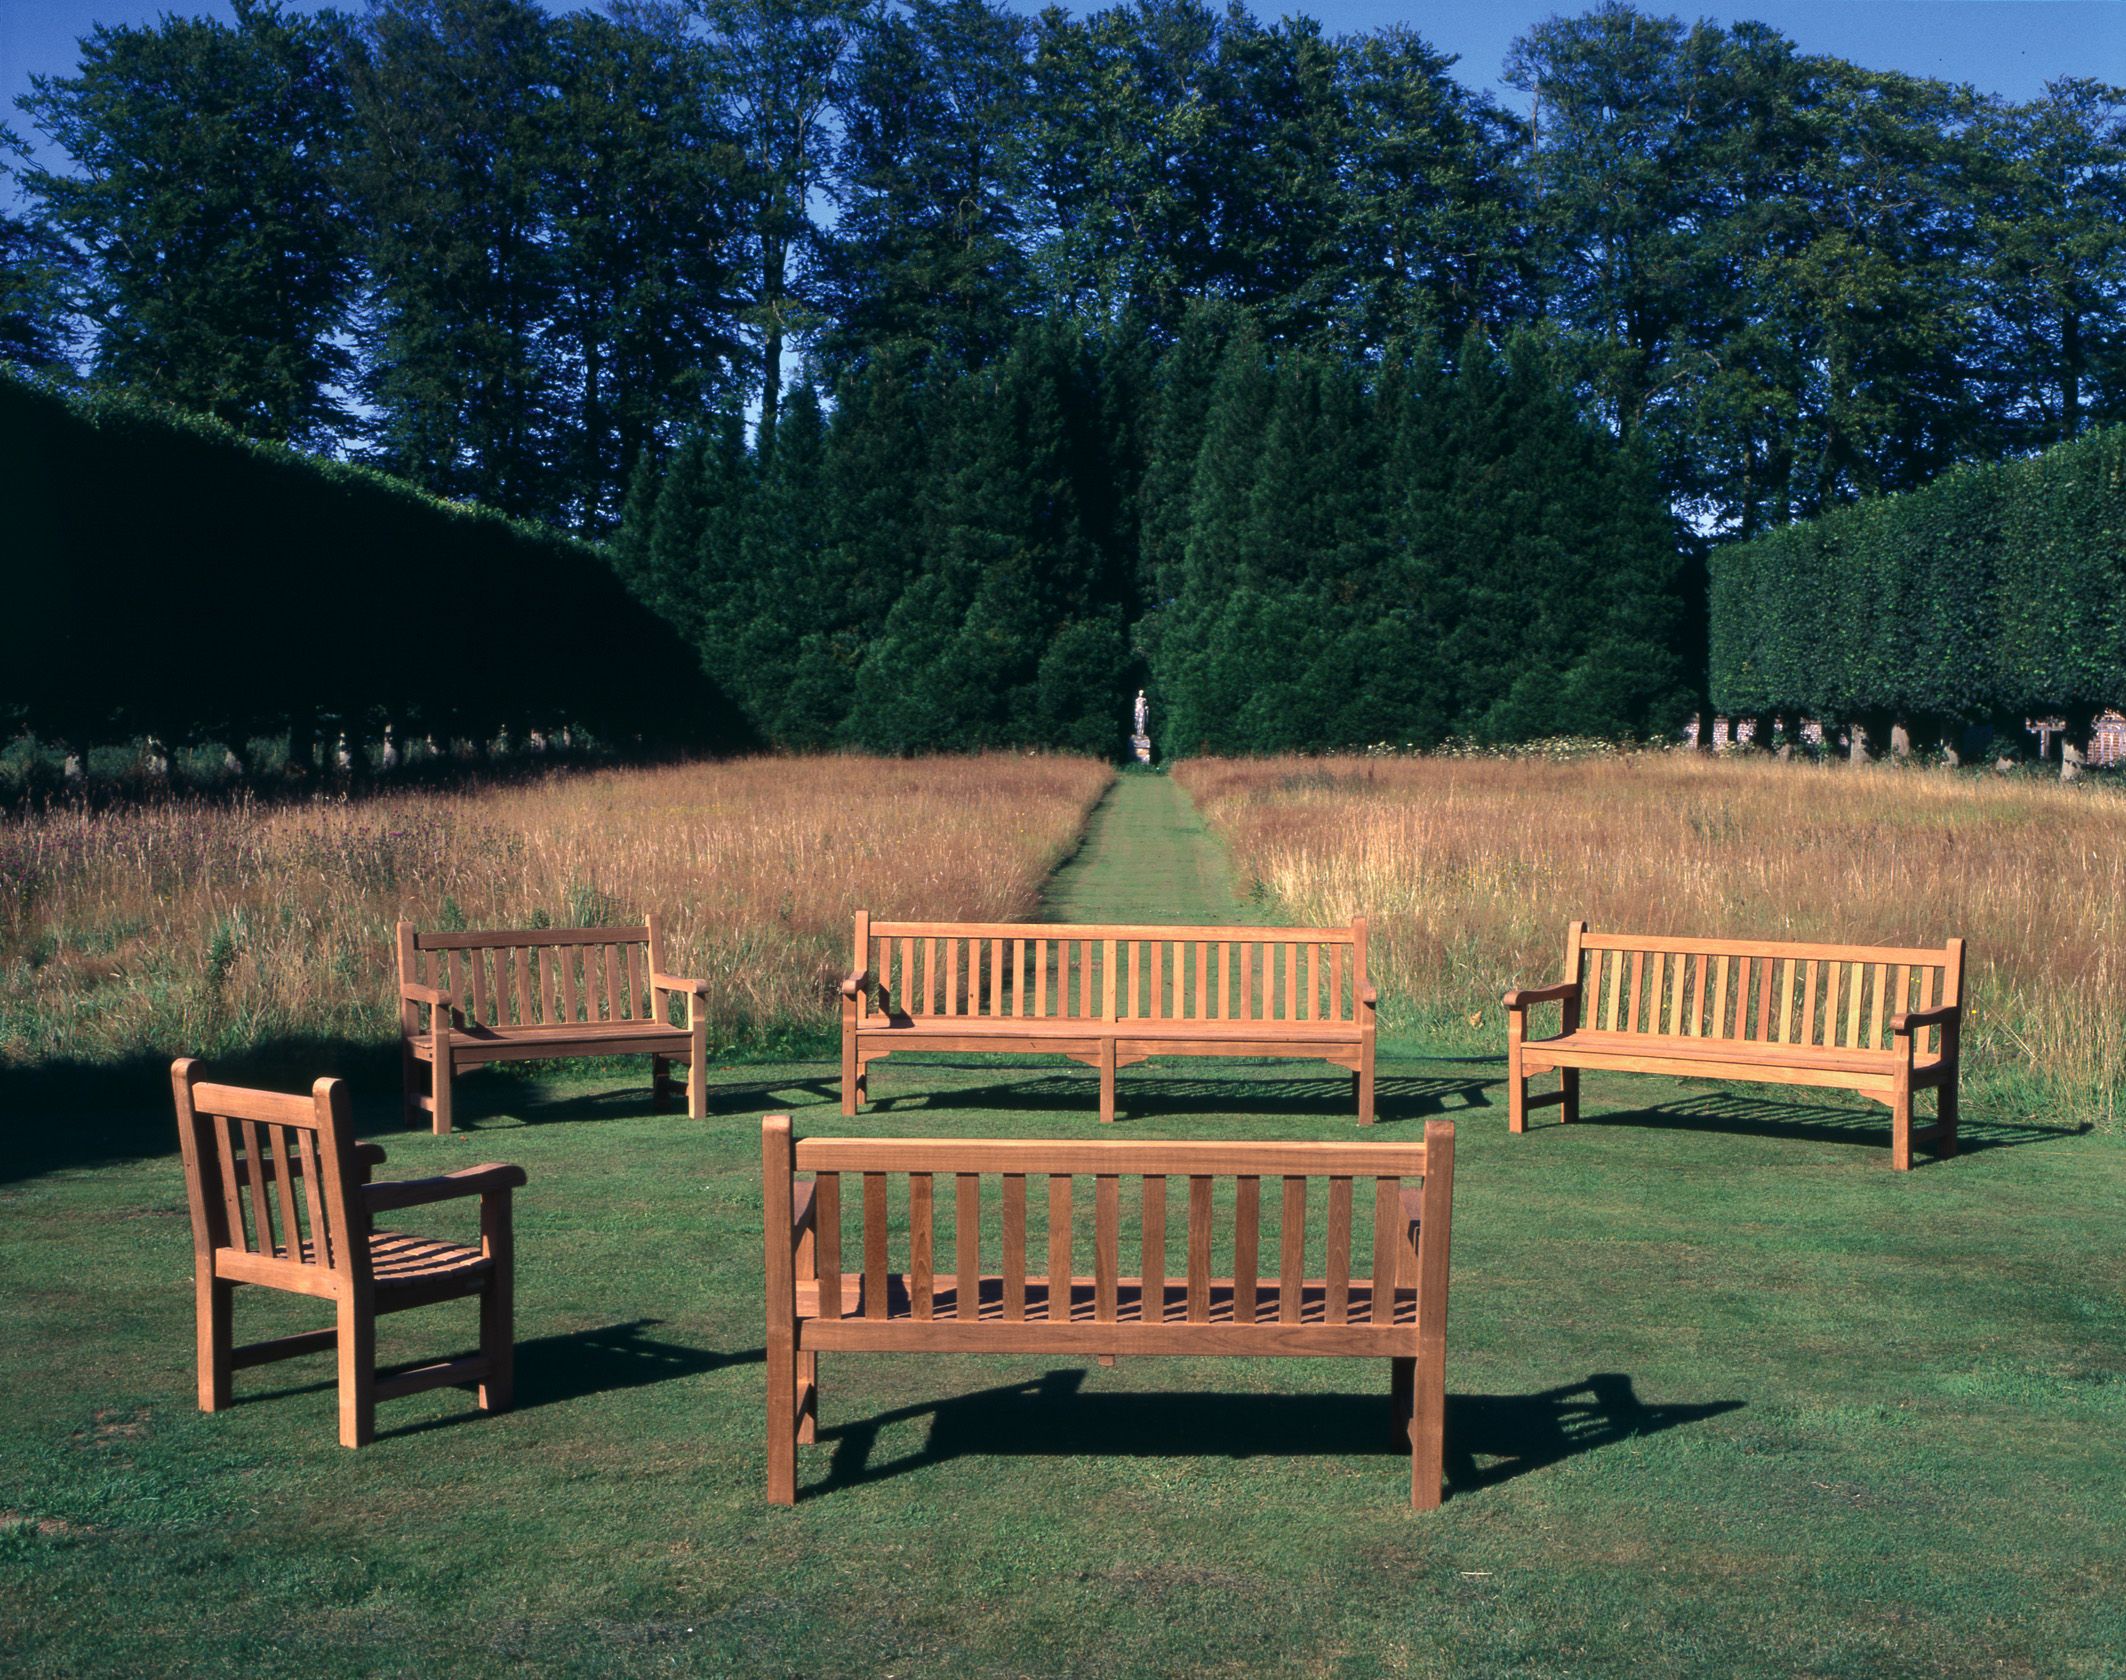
(1470, 868)
(213, 926)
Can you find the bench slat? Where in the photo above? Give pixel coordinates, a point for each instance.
(827, 1241)
(1014, 1246)
(967, 1245)
(1387, 1193)
(1059, 1247)
(920, 1241)
(1152, 1306)
(1199, 1249)
(874, 1245)
(1107, 1243)
(1339, 1251)
(1292, 1249)
(1247, 1237)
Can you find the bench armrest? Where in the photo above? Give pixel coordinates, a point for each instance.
(1524, 997)
(670, 983)
(367, 1158)
(434, 996)
(1914, 1020)
(1369, 995)
(856, 984)
(466, 1181)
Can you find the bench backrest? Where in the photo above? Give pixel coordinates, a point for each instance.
(270, 1174)
(1070, 972)
(1401, 1194)
(1758, 991)
(527, 976)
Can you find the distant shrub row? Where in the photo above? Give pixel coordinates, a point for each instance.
(1992, 593)
(170, 579)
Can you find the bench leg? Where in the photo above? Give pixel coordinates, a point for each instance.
(852, 1075)
(1365, 1083)
(698, 1072)
(1107, 1082)
(439, 1084)
(807, 1397)
(661, 1081)
(1516, 1087)
(1901, 1124)
(1569, 1087)
(1428, 1434)
(357, 1359)
(410, 1070)
(782, 1422)
(1945, 1098)
(1402, 1391)
(216, 1305)
(498, 1327)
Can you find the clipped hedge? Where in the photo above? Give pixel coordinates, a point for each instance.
(170, 577)
(1993, 592)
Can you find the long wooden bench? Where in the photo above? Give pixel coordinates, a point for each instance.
(529, 994)
(926, 1304)
(1107, 996)
(1880, 1020)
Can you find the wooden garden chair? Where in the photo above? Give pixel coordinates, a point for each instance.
(281, 1198)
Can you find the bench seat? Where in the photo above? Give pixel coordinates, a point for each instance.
(1881, 1021)
(1695, 1058)
(1107, 996)
(543, 1040)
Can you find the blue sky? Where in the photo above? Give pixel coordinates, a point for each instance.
(2009, 47)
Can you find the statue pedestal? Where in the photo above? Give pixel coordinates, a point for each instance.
(1141, 745)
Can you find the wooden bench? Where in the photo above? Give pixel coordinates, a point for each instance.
(1107, 996)
(530, 994)
(1398, 1313)
(1880, 1020)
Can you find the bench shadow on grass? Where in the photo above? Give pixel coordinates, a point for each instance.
(574, 1365)
(1159, 1095)
(1868, 1127)
(1491, 1438)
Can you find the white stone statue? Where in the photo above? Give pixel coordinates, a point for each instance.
(1142, 716)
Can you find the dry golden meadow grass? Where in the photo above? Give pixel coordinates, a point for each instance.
(211, 926)
(1470, 868)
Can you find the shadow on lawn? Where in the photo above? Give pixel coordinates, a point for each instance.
(1491, 1438)
(1155, 1096)
(576, 1365)
(583, 1363)
(1726, 1111)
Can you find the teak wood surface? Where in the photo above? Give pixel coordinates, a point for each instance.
(899, 1292)
(531, 994)
(1881, 1020)
(1107, 995)
(281, 1198)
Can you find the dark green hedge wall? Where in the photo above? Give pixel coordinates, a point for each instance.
(166, 576)
(1992, 592)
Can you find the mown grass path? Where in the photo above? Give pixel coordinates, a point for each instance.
(1147, 857)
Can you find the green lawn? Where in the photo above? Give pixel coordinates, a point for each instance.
(1726, 1397)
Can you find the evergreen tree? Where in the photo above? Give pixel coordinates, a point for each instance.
(218, 268)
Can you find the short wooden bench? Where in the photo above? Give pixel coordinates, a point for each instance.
(530, 994)
(1107, 996)
(1020, 1305)
(1880, 1020)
